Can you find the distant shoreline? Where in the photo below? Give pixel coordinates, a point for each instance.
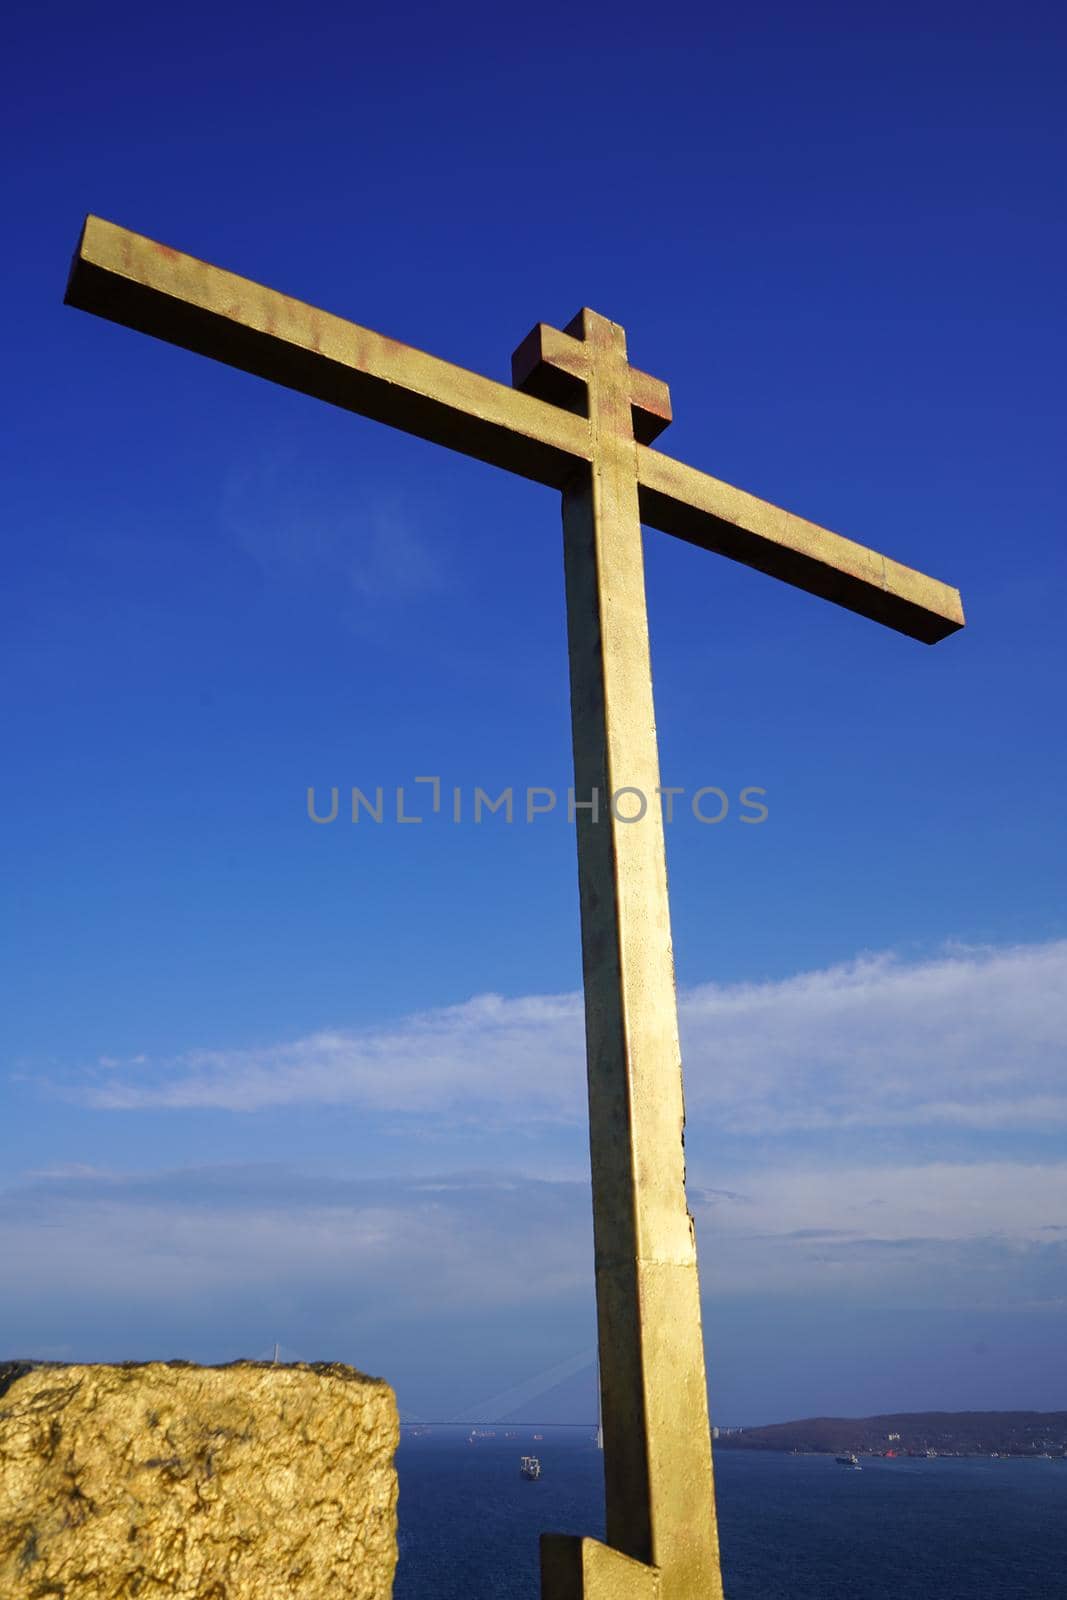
(912, 1433)
(1018, 1435)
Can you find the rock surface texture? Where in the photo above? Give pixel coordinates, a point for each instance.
(167, 1481)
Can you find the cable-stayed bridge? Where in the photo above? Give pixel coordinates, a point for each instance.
(492, 1409)
(501, 1406)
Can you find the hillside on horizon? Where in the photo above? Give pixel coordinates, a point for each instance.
(1031, 1433)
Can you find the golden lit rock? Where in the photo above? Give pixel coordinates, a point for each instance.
(167, 1481)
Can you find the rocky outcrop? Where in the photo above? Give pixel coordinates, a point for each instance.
(168, 1481)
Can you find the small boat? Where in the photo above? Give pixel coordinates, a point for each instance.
(850, 1459)
(529, 1467)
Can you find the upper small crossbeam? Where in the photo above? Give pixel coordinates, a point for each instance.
(557, 366)
(540, 434)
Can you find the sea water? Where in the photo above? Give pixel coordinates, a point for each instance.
(791, 1527)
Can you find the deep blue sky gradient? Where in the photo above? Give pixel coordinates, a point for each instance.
(837, 232)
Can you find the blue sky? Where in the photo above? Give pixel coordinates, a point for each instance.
(265, 1080)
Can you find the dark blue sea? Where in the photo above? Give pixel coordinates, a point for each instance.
(791, 1527)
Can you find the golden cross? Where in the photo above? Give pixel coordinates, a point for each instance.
(581, 419)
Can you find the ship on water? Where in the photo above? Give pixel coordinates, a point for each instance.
(529, 1467)
(850, 1459)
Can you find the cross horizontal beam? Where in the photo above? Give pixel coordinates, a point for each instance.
(132, 280)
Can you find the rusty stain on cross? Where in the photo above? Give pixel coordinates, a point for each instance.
(562, 366)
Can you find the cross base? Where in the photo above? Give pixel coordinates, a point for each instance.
(573, 1568)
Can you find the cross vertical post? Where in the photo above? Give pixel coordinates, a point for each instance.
(657, 1449)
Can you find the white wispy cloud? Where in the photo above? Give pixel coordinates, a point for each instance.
(935, 1232)
(521, 1056)
(983, 1234)
(302, 533)
(975, 1039)
(925, 1073)
(468, 1241)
